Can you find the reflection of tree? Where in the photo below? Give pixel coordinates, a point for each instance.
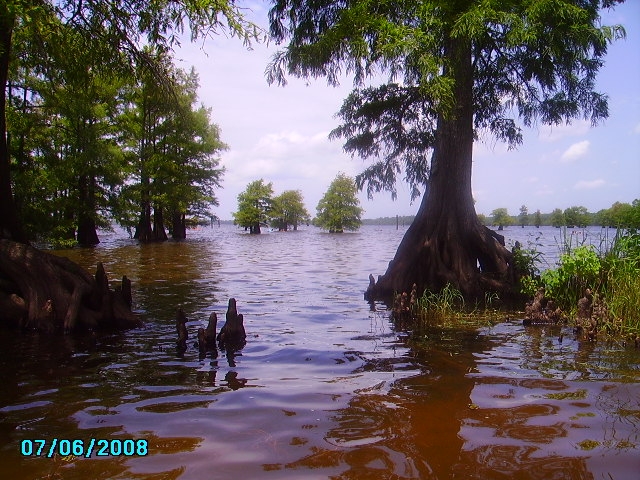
(163, 275)
(407, 431)
(468, 414)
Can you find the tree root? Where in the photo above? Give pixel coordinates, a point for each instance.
(472, 260)
(42, 291)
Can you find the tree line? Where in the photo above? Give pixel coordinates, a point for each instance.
(338, 209)
(620, 215)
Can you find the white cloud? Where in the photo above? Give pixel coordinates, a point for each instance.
(589, 184)
(575, 151)
(637, 129)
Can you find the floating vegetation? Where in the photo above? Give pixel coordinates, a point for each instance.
(577, 395)
(588, 444)
(581, 415)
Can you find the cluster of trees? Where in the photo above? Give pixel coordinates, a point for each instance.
(258, 207)
(338, 210)
(97, 124)
(90, 147)
(620, 215)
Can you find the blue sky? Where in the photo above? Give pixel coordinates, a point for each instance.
(280, 134)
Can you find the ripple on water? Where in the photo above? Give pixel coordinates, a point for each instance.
(325, 388)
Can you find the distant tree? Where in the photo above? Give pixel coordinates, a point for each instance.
(483, 219)
(619, 214)
(501, 218)
(576, 216)
(557, 218)
(339, 208)
(537, 221)
(288, 210)
(523, 218)
(254, 206)
(634, 217)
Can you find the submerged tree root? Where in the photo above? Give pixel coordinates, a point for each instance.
(45, 292)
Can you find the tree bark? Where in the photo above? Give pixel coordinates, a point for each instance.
(143, 229)
(179, 226)
(87, 232)
(10, 225)
(159, 233)
(42, 291)
(446, 243)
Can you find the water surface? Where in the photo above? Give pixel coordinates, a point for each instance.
(325, 387)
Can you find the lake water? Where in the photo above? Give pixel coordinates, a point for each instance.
(324, 388)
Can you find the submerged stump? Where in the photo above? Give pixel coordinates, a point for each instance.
(232, 335)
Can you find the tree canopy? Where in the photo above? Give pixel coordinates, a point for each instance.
(339, 208)
(501, 217)
(456, 71)
(533, 61)
(289, 210)
(98, 38)
(254, 206)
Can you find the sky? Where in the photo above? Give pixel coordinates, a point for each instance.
(280, 134)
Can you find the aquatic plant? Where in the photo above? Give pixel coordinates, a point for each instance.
(611, 271)
(527, 262)
(447, 307)
(622, 283)
(577, 271)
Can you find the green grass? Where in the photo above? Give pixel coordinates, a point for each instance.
(447, 308)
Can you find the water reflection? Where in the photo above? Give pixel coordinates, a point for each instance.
(324, 388)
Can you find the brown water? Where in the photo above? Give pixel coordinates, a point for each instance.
(325, 388)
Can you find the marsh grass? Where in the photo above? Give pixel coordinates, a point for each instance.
(610, 268)
(448, 308)
(622, 283)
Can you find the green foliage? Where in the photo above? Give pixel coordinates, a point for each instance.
(577, 271)
(557, 218)
(537, 219)
(254, 206)
(622, 287)
(501, 217)
(288, 210)
(576, 216)
(339, 208)
(88, 147)
(523, 218)
(532, 62)
(527, 263)
(69, 67)
(445, 303)
(447, 308)
(621, 215)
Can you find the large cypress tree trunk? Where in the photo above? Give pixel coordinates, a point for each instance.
(446, 243)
